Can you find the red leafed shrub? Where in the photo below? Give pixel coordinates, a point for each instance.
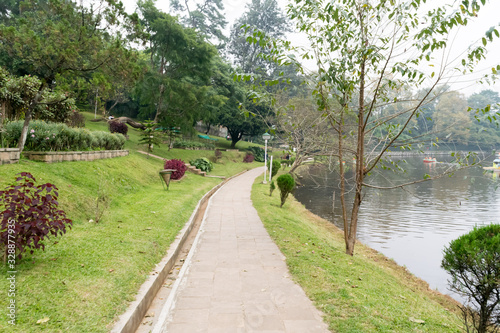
(29, 213)
(118, 127)
(178, 165)
(248, 158)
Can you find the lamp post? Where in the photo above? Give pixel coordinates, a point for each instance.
(266, 136)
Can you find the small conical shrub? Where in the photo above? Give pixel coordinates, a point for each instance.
(286, 184)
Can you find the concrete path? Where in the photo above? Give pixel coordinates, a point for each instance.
(236, 281)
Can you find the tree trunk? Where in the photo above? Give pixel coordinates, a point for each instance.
(27, 118)
(360, 151)
(233, 142)
(160, 103)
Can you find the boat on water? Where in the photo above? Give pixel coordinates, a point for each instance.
(430, 160)
(495, 167)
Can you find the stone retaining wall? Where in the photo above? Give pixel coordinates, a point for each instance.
(9, 155)
(61, 156)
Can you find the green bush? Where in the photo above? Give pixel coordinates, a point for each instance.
(286, 184)
(275, 168)
(272, 187)
(288, 163)
(187, 144)
(44, 136)
(203, 164)
(473, 261)
(258, 153)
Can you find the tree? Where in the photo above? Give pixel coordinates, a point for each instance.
(452, 118)
(303, 127)
(485, 129)
(180, 67)
(264, 16)
(473, 261)
(240, 115)
(207, 18)
(363, 52)
(55, 40)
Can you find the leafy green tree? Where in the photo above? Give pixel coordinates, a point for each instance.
(206, 17)
(265, 16)
(473, 261)
(362, 53)
(484, 108)
(452, 119)
(240, 115)
(55, 40)
(9, 8)
(176, 84)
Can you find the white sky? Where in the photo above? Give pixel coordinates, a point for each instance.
(487, 18)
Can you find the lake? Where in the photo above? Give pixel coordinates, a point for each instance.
(414, 225)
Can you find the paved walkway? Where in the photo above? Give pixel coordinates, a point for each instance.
(237, 280)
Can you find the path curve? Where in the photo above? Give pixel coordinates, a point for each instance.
(236, 280)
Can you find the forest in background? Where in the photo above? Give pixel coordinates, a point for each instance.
(180, 68)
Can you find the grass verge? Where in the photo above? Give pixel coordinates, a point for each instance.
(364, 293)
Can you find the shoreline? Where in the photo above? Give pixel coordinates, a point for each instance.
(385, 293)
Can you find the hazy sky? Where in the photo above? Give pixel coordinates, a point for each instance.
(488, 17)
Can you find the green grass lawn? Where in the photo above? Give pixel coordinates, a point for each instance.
(85, 279)
(363, 293)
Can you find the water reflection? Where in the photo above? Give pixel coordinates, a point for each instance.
(412, 225)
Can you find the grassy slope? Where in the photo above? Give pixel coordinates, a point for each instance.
(363, 293)
(83, 280)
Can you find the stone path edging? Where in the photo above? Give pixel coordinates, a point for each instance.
(131, 319)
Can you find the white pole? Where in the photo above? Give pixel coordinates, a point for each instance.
(265, 162)
(271, 168)
(95, 110)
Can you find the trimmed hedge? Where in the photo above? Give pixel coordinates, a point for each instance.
(44, 136)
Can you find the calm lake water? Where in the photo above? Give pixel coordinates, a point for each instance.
(413, 226)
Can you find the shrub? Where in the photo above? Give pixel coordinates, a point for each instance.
(203, 164)
(178, 165)
(118, 127)
(44, 136)
(29, 214)
(286, 184)
(272, 187)
(258, 153)
(275, 168)
(75, 119)
(248, 158)
(187, 144)
(286, 163)
(473, 261)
